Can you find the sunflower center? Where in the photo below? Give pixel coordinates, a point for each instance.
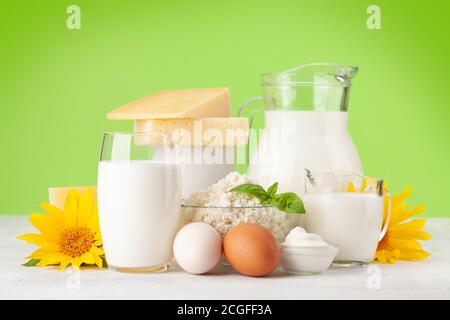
(76, 241)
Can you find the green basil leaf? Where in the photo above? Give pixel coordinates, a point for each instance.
(253, 190)
(289, 202)
(272, 191)
(31, 263)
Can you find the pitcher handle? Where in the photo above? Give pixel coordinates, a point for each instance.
(388, 217)
(247, 102)
(251, 118)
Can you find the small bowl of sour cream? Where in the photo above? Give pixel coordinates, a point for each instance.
(306, 253)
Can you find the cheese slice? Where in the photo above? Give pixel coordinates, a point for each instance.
(57, 196)
(193, 103)
(194, 132)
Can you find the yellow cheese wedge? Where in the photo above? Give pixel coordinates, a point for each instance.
(57, 196)
(193, 103)
(195, 132)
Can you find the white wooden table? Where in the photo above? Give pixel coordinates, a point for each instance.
(428, 279)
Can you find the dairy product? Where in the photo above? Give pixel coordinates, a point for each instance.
(200, 176)
(198, 124)
(350, 220)
(200, 166)
(192, 103)
(304, 252)
(223, 209)
(207, 148)
(198, 131)
(139, 207)
(58, 196)
(295, 140)
(298, 237)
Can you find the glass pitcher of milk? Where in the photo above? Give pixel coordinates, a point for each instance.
(305, 117)
(349, 210)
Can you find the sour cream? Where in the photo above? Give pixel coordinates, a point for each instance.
(298, 237)
(303, 252)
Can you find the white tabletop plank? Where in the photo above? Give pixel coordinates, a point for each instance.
(428, 279)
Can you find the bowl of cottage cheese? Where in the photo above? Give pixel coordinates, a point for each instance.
(223, 209)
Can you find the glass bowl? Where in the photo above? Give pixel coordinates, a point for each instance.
(224, 218)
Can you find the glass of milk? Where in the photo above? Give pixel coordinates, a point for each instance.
(139, 191)
(349, 210)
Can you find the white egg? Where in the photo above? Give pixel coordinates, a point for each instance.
(197, 248)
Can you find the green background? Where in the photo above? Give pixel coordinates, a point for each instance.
(57, 84)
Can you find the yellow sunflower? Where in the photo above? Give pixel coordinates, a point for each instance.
(67, 237)
(401, 239)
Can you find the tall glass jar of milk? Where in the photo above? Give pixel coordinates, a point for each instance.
(207, 148)
(139, 199)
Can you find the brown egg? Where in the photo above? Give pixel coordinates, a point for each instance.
(251, 250)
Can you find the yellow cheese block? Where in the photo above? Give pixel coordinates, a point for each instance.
(195, 132)
(57, 196)
(193, 103)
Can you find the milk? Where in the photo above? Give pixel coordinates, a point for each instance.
(139, 207)
(350, 220)
(200, 166)
(295, 140)
(197, 177)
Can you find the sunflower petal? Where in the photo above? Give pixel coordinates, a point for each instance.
(413, 234)
(93, 222)
(394, 255)
(39, 240)
(416, 224)
(39, 253)
(414, 255)
(381, 256)
(76, 263)
(71, 207)
(402, 244)
(86, 208)
(397, 199)
(396, 212)
(98, 261)
(64, 263)
(386, 256)
(50, 259)
(87, 258)
(351, 187)
(97, 251)
(402, 214)
(45, 225)
(56, 214)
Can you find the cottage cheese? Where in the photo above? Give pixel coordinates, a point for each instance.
(223, 210)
